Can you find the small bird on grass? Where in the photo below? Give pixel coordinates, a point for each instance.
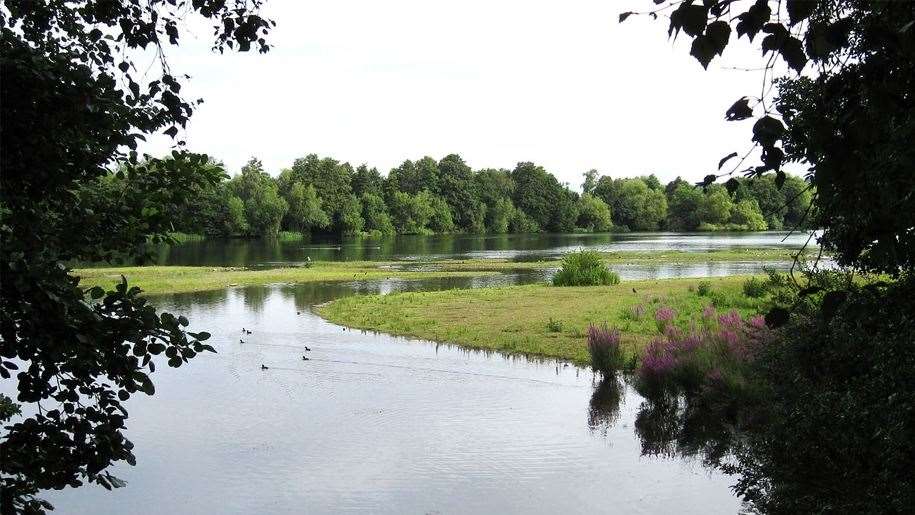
(264, 367)
(633, 290)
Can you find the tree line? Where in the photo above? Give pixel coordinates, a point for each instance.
(323, 195)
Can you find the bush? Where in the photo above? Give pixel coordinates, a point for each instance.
(554, 326)
(604, 347)
(754, 287)
(704, 288)
(584, 268)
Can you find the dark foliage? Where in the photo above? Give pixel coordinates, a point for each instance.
(72, 109)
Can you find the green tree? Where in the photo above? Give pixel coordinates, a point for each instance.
(332, 182)
(637, 206)
(499, 215)
(683, 207)
(305, 213)
(72, 110)
(746, 213)
(537, 193)
(441, 220)
(590, 181)
(375, 214)
(457, 186)
(411, 213)
(264, 208)
(367, 180)
(594, 214)
(716, 206)
(349, 215)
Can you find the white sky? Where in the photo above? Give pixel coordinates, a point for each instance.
(561, 84)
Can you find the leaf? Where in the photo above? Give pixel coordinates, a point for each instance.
(767, 130)
(799, 10)
(703, 49)
(772, 157)
(720, 33)
(171, 131)
(146, 385)
(793, 54)
(780, 179)
(726, 158)
(739, 110)
(777, 35)
(752, 21)
(689, 18)
(831, 303)
(777, 317)
(625, 15)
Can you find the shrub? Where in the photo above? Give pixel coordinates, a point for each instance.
(584, 268)
(754, 287)
(604, 347)
(704, 288)
(554, 326)
(664, 316)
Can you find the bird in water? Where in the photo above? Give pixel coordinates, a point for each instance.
(264, 367)
(241, 341)
(242, 329)
(247, 332)
(298, 312)
(304, 358)
(307, 349)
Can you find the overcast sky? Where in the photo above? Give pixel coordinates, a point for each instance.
(561, 84)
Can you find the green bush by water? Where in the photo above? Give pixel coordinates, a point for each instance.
(585, 268)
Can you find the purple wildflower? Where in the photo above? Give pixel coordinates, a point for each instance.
(709, 312)
(731, 319)
(604, 347)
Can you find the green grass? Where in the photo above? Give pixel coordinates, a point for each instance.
(627, 257)
(522, 319)
(183, 237)
(178, 279)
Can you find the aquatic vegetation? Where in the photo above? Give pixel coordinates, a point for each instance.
(604, 348)
(704, 288)
(754, 287)
(585, 268)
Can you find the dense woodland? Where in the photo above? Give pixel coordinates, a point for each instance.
(323, 195)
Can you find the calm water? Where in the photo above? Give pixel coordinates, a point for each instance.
(377, 424)
(460, 246)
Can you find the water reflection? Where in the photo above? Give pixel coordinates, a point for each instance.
(374, 423)
(604, 406)
(457, 246)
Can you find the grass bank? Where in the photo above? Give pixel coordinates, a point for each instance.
(539, 320)
(625, 257)
(180, 279)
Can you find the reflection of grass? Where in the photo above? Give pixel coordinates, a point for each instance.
(515, 319)
(177, 279)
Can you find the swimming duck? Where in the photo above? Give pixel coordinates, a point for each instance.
(304, 358)
(241, 341)
(247, 332)
(307, 349)
(264, 367)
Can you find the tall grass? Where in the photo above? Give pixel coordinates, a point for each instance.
(289, 236)
(604, 348)
(585, 268)
(183, 237)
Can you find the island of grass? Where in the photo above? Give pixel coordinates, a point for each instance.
(181, 279)
(156, 280)
(542, 320)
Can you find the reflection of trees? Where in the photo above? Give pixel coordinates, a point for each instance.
(673, 425)
(604, 407)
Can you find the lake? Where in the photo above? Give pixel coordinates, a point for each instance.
(459, 246)
(378, 424)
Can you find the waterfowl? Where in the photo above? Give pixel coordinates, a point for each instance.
(264, 367)
(633, 290)
(307, 349)
(247, 332)
(298, 312)
(304, 358)
(241, 341)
